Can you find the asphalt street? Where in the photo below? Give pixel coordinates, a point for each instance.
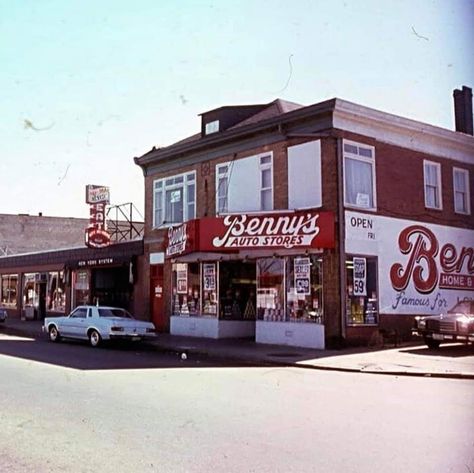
(72, 408)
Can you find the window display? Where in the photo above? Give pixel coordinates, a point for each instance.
(81, 287)
(56, 297)
(186, 289)
(270, 289)
(304, 289)
(30, 290)
(8, 290)
(209, 289)
(361, 300)
(237, 290)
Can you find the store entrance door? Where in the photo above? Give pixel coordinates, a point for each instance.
(156, 297)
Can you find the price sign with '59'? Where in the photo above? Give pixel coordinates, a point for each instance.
(360, 276)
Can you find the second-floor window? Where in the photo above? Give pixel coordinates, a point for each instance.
(461, 191)
(359, 175)
(432, 177)
(245, 185)
(174, 199)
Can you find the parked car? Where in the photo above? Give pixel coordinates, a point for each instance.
(3, 315)
(457, 325)
(97, 324)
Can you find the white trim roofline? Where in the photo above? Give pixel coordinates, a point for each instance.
(403, 132)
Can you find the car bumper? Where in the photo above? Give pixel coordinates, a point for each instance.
(444, 337)
(133, 337)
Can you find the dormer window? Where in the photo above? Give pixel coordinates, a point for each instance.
(212, 127)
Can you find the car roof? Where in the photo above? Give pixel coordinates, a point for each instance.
(98, 307)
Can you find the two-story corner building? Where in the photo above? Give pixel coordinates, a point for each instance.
(308, 225)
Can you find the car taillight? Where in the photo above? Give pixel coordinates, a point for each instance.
(116, 329)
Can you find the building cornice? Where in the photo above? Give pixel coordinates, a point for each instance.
(403, 132)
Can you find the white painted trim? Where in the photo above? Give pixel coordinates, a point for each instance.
(362, 159)
(468, 191)
(438, 187)
(403, 132)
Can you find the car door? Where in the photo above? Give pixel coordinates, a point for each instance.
(76, 324)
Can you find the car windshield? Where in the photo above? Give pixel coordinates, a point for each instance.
(115, 313)
(464, 307)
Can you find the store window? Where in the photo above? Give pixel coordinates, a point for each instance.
(8, 289)
(56, 295)
(209, 289)
(361, 287)
(81, 287)
(237, 290)
(304, 289)
(461, 191)
(186, 289)
(432, 177)
(174, 199)
(270, 289)
(30, 290)
(359, 175)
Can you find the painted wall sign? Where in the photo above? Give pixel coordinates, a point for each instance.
(302, 276)
(422, 268)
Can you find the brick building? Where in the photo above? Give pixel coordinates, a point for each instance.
(25, 233)
(46, 268)
(308, 225)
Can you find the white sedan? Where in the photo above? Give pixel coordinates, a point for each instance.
(98, 323)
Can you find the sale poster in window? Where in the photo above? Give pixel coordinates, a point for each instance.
(360, 276)
(209, 277)
(302, 276)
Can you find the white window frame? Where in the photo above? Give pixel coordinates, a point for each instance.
(265, 166)
(222, 190)
(438, 188)
(364, 159)
(161, 187)
(211, 127)
(465, 173)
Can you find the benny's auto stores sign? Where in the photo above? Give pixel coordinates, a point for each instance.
(294, 230)
(422, 268)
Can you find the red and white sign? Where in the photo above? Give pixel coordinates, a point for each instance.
(97, 194)
(96, 233)
(422, 268)
(297, 230)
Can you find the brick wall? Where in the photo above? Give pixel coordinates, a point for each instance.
(25, 233)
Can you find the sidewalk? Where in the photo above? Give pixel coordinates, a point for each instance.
(451, 361)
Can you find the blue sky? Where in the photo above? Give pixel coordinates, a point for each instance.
(88, 85)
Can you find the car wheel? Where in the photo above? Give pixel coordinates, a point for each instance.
(432, 343)
(54, 334)
(94, 338)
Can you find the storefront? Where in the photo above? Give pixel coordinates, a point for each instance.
(37, 285)
(258, 276)
(397, 269)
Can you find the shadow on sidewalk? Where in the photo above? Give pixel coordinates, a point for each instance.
(118, 356)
